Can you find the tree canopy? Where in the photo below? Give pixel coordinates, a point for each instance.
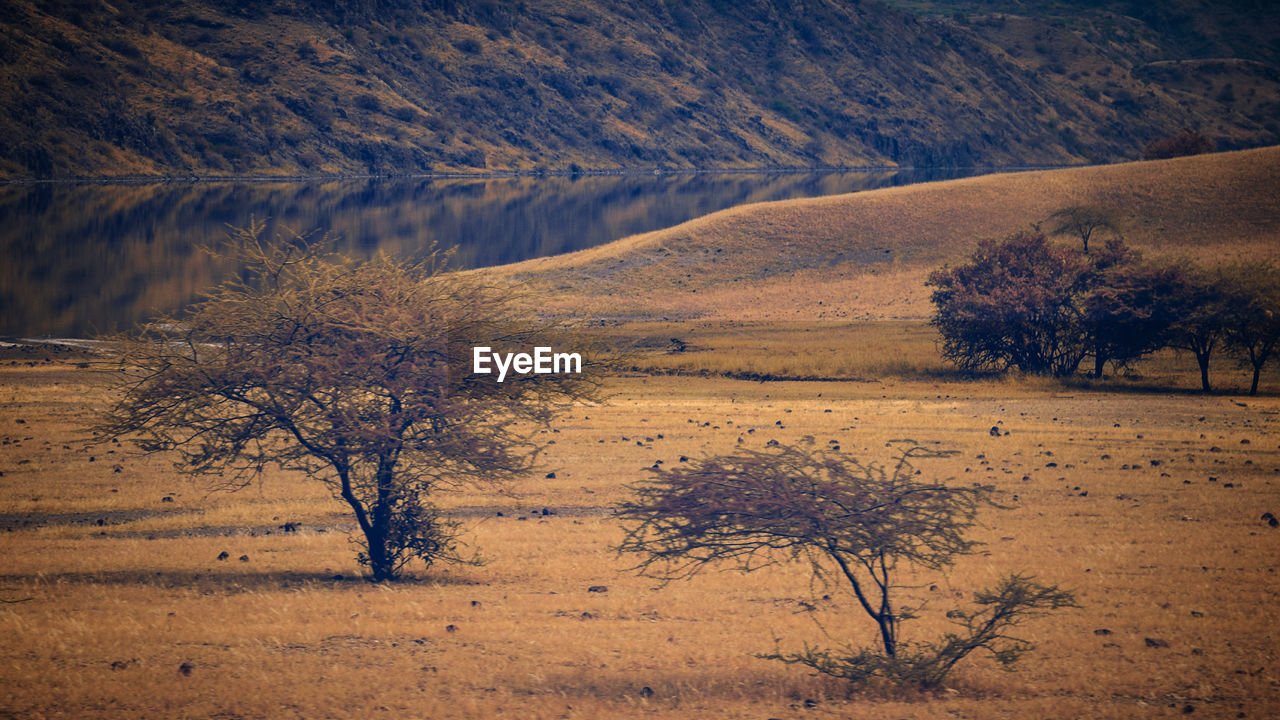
(1012, 305)
(1025, 303)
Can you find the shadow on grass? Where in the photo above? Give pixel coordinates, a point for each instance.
(1158, 385)
(767, 684)
(228, 581)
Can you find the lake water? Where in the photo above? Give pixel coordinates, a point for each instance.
(82, 259)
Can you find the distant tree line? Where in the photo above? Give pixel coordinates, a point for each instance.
(1187, 142)
(1026, 303)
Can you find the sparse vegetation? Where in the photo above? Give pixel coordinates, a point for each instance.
(859, 525)
(268, 633)
(357, 374)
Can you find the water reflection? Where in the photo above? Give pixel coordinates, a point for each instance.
(88, 258)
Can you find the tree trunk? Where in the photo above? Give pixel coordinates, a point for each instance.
(375, 528)
(1099, 360)
(887, 635)
(1257, 371)
(382, 557)
(1202, 358)
(381, 569)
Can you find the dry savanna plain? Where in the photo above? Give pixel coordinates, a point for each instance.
(802, 322)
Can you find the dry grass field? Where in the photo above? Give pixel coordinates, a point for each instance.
(1147, 504)
(1144, 497)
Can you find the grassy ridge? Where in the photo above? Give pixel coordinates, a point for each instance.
(864, 256)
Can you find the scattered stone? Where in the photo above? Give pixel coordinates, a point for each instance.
(1155, 643)
(166, 498)
(1102, 631)
(994, 431)
(451, 628)
(551, 476)
(1270, 519)
(224, 555)
(646, 692)
(244, 558)
(186, 668)
(598, 589)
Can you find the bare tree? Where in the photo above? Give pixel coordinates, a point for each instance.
(1083, 221)
(356, 373)
(853, 523)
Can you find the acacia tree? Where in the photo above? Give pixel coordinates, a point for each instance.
(355, 373)
(1127, 306)
(1252, 314)
(1201, 304)
(1083, 221)
(855, 524)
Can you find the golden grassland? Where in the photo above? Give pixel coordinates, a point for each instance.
(1147, 504)
(865, 256)
(1140, 494)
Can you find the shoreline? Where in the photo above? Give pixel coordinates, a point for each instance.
(510, 174)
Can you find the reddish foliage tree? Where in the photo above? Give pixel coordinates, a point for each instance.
(1186, 142)
(1012, 305)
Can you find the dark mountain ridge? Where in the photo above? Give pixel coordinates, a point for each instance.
(298, 87)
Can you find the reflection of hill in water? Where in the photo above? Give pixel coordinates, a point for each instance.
(90, 258)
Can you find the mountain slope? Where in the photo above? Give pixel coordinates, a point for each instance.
(311, 87)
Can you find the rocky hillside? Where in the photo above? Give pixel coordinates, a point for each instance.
(309, 87)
